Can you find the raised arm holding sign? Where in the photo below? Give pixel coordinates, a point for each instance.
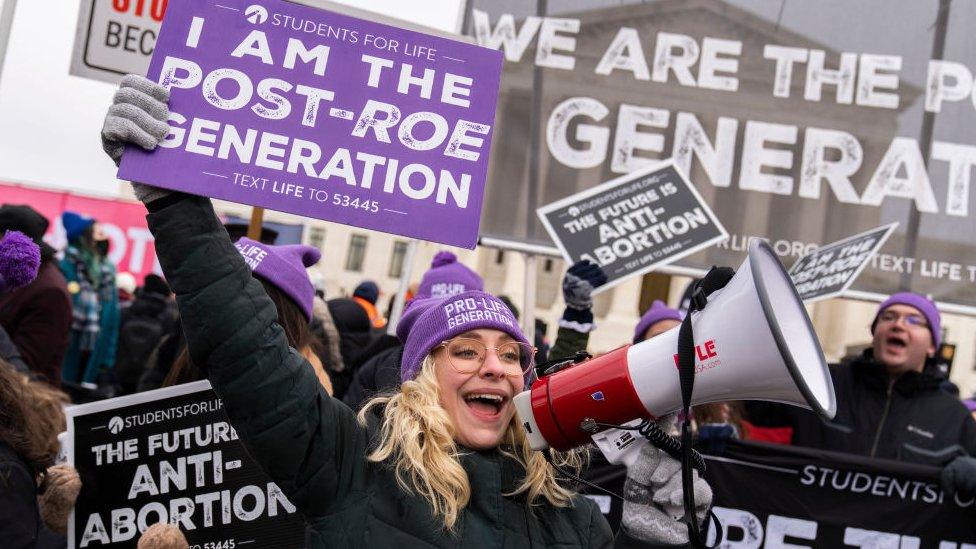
(442, 461)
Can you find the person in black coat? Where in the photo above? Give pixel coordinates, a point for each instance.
(889, 401)
(378, 374)
(443, 463)
(356, 334)
(144, 323)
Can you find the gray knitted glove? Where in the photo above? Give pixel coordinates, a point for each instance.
(653, 499)
(579, 282)
(138, 115)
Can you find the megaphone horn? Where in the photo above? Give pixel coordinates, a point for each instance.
(754, 341)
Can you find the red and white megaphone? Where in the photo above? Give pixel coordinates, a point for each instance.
(754, 341)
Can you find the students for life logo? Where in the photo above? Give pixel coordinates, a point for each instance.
(115, 425)
(256, 14)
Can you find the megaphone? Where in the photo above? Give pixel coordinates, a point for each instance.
(754, 341)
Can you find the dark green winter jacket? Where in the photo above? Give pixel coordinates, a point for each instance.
(310, 443)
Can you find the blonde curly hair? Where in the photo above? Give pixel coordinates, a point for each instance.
(417, 439)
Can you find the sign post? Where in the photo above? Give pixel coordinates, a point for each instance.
(254, 227)
(400, 299)
(7, 10)
(632, 224)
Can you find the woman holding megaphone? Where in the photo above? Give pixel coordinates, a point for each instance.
(440, 463)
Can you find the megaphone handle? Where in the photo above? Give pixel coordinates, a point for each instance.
(671, 445)
(715, 279)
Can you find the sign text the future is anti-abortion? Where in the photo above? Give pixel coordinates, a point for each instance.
(315, 113)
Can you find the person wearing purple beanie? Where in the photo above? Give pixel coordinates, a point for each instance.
(381, 372)
(889, 401)
(658, 319)
(37, 316)
(447, 277)
(281, 271)
(20, 259)
(443, 462)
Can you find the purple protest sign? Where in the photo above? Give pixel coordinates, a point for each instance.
(306, 111)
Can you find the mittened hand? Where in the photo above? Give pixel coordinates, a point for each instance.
(62, 486)
(654, 500)
(959, 477)
(138, 115)
(579, 282)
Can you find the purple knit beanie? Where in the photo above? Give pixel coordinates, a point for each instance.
(448, 277)
(924, 306)
(659, 311)
(283, 267)
(20, 258)
(428, 322)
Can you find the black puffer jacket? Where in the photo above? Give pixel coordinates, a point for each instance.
(21, 526)
(377, 375)
(310, 443)
(909, 419)
(355, 336)
(10, 353)
(144, 323)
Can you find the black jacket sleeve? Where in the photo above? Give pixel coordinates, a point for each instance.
(308, 442)
(10, 353)
(20, 522)
(968, 435)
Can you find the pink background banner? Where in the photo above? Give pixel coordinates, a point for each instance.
(131, 247)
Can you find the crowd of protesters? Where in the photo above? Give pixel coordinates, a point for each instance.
(433, 403)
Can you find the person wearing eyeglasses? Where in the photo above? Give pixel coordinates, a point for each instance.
(889, 403)
(441, 462)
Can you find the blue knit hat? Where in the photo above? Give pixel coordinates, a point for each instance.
(75, 224)
(367, 290)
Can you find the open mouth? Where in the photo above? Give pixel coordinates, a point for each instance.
(485, 405)
(896, 342)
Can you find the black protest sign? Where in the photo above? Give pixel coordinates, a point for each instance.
(171, 456)
(769, 495)
(634, 223)
(830, 270)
